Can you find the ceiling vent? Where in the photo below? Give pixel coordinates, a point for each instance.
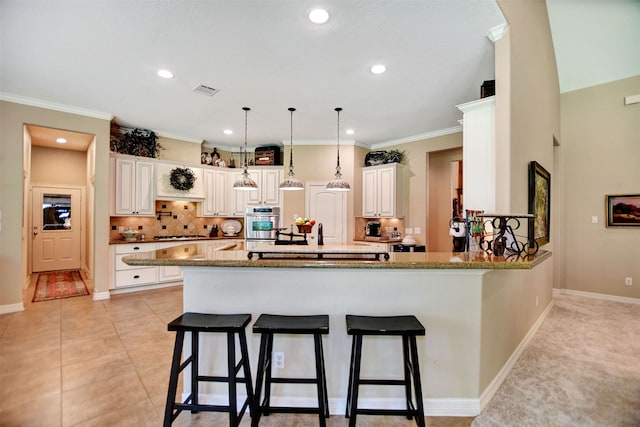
(205, 90)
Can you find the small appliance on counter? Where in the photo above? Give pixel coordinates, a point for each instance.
(373, 229)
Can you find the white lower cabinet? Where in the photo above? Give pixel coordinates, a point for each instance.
(124, 275)
(168, 273)
(129, 276)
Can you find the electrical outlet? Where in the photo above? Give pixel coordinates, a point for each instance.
(628, 281)
(278, 359)
(594, 219)
(417, 230)
(408, 230)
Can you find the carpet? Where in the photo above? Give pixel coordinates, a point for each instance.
(59, 284)
(582, 368)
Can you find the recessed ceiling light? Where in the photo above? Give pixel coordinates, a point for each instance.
(378, 69)
(61, 141)
(228, 132)
(318, 16)
(165, 74)
(349, 131)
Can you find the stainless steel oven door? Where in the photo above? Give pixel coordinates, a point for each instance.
(261, 223)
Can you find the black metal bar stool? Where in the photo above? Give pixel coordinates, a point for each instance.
(230, 324)
(408, 327)
(268, 325)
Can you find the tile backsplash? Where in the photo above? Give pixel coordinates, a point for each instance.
(176, 218)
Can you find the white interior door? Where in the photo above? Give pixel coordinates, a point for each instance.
(56, 221)
(328, 208)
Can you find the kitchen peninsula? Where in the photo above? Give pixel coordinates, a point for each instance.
(478, 311)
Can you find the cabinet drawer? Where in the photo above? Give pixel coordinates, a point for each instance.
(132, 248)
(139, 276)
(120, 265)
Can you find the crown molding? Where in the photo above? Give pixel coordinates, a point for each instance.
(18, 99)
(497, 32)
(420, 137)
(178, 137)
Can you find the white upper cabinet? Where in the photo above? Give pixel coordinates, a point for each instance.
(382, 191)
(268, 193)
(132, 192)
(216, 193)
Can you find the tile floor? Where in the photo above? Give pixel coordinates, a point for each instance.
(79, 362)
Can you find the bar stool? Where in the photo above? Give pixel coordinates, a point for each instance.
(197, 323)
(270, 324)
(408, 327)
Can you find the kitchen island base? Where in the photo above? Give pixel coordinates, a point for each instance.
(475, 319)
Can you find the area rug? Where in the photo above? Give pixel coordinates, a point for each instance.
(59, 284)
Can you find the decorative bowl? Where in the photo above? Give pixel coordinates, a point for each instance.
(305, 228)
(130, 235)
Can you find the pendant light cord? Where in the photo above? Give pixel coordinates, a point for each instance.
(291, 109)
(246, 112)
(338, 173)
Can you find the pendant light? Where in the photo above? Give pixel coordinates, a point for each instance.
(291, 183)
(245, 183)
(338, 183)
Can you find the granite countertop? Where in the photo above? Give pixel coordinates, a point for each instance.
(190, 239)
(197, 255)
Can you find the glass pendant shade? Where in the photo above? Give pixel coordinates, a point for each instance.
(338, 183)
(245, 183)
(291, 183)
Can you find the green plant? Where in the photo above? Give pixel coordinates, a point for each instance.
(137, 142)
(394, 156)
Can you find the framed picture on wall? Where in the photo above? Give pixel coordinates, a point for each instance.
(623, 211)
(539, 203)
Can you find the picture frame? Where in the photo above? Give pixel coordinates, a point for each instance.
(539, 203)
(623, 210)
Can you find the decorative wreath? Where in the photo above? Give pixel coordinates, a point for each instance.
(182, 179)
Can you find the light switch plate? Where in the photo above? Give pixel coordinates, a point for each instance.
(417, 230)
(408, 230)
(594, 219)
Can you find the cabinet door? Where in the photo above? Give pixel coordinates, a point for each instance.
(208, 205)
(387, 192)
(271, 187)
(254, 197)
(145, 197)
(237, 199)
(221, 193)
(125, 172)
(369, 193)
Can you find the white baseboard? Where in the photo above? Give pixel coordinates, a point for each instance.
(337, 406)
(144, 287)
(98, 296)
(11, 308)
(595, 295)
(492, 388)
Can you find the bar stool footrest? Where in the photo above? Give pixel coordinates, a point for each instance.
(289, 410)
(404, 412)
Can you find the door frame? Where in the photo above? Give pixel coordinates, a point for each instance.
(83, 220)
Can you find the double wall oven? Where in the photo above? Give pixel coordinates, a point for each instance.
(260, 225)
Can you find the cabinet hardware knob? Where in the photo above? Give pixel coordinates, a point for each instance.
(136, 276)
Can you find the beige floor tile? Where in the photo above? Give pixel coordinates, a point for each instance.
(86, 349)
(18, 387)
(96, 370)
(133, 415)
(83, 403)
(39, 411)
(30, 361)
